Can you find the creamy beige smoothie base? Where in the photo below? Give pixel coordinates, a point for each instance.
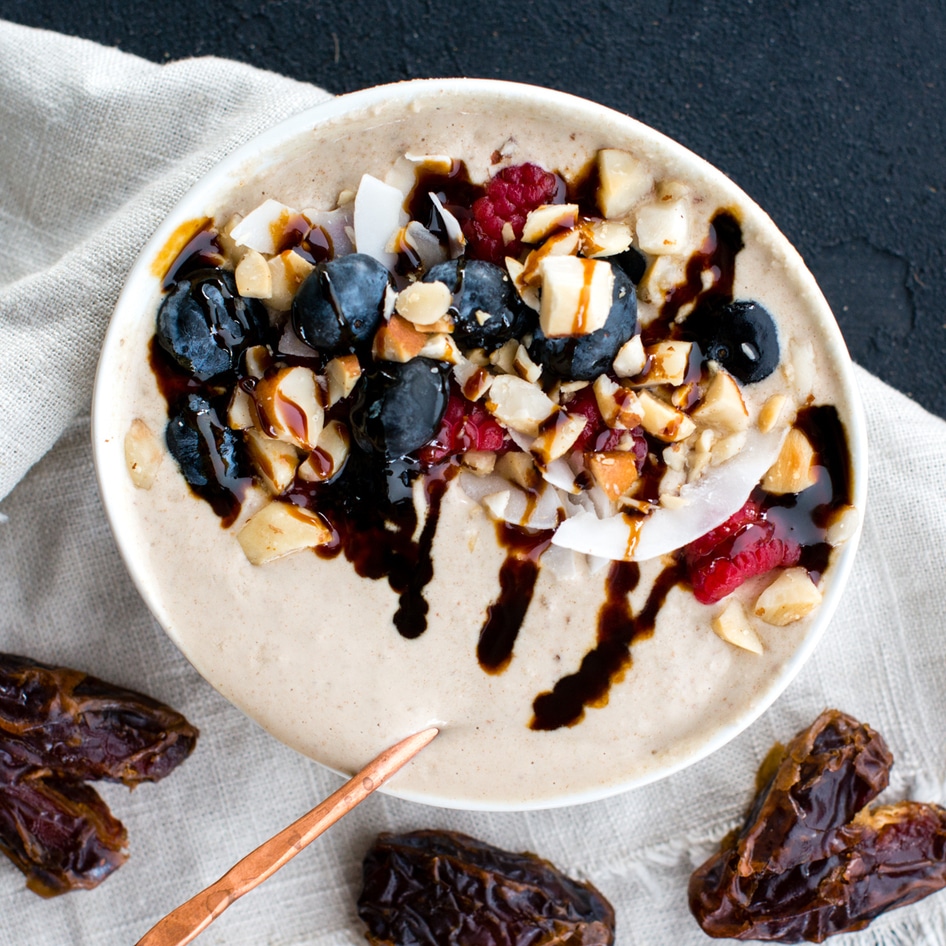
(308, 649)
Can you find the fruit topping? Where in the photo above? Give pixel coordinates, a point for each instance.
(495, 229)
(204, 325)
(740, 336)
(486, 308)
(741, 548)
(586, 356)
(339, 307)
(435, 887)
(812, 859)
(466, 426)
(397, 407)
(207, 451)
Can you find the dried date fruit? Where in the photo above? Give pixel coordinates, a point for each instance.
(811, 860)
(59, 833)
(68, 721)
(442, 888)
(59, 728)
(828, 773)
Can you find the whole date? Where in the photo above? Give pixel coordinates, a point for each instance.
(58, 729)
(442, 888)
(812, 859)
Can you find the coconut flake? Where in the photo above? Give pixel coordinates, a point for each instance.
(452, 227)
(706, 504)
(256, 230)
(379, 214)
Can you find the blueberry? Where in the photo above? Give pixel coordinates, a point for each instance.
(585, 357)
(204, 325)
(339, 306)
(740, 336)
(633, 263)
(397, 408)
(208, 452)
(480, 288)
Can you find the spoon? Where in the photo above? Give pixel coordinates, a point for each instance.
(191, 918)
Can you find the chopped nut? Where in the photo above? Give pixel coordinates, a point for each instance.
(671, 190)
(661, 276)
(275, 460)
(683, 395)
(289, 405)
(479, 462)
(424, 303)
(623, 181)
(576, 295)
(722, 407)
(528, 294)
(619, 406)
(257, 360)
(280, 529)
(143, 454)
(518, 404)
(329, 456)
(518, 468)
(732, 625)
(504, 358)
(666, 363)
(546, 219)
(398, 340)
(771, 411)
(525, 367)
(789, 598)
(614, 471)
(603, 238)
(557, 436)
(663, 228)
(474, 381)
(441, 347)
(792, 472)
(342, 374)
(630, 359)
(241, 413)
(662, 420)
(844, 525)
(254, 280)
(288, 271)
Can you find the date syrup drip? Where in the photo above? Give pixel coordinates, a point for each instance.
(373, 521)
(517, 578)
(202, 251)
(607, 662)
(805, 517)
(716, 256)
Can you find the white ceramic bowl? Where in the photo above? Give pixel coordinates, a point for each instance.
(305, 648)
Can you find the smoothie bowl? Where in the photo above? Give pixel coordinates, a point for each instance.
(470, 403)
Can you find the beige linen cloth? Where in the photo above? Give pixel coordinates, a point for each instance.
(95, 147)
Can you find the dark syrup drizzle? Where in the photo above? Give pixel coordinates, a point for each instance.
(370, 511)
(517, 578)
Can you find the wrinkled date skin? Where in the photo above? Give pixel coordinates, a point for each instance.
(441, 888)
(59, 728)
(811, 860)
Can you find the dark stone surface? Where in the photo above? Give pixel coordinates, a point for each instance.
(832, 116)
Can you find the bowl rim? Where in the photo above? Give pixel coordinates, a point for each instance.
(219, 179)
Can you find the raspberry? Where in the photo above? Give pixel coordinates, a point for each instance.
(741, 548)
(465, 426)
(510, 196)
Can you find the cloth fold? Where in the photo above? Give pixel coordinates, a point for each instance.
(95, 149)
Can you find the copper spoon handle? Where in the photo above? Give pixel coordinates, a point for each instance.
(180, 926)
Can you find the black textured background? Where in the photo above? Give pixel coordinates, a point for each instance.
(832, 115)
